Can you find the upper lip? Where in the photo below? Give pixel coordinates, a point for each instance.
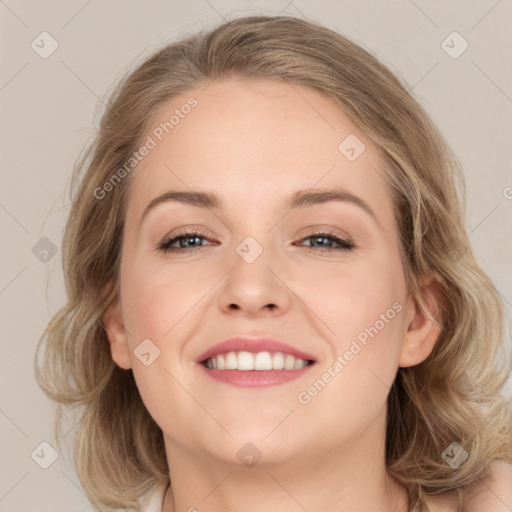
(254, 345)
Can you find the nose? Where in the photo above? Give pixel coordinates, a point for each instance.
(254, 288)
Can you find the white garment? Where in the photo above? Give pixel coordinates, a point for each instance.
(154, 501)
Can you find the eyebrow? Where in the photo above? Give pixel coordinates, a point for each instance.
(299, 199)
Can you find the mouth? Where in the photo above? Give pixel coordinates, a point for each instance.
(260, 361)
(254, 362)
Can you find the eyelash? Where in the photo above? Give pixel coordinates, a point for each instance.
(344, 244)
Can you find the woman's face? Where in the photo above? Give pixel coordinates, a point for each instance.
(257, 267)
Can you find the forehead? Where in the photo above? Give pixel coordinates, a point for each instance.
(258, 141)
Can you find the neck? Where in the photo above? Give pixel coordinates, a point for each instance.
(349, 477)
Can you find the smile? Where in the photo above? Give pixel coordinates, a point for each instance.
(260, 361)
(249, 362)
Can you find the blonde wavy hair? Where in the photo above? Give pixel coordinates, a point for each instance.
(453, 396)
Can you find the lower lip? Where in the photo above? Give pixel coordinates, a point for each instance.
(255, 378)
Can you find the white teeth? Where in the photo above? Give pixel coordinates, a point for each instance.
(300, 363)
(231, 361)
(289, 362)
(263, 361)
(245, 361)
(278, 361)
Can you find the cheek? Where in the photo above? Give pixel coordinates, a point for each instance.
(364, 310)
(361, 312)
(349, 298)
(157, 303)
(157, 299)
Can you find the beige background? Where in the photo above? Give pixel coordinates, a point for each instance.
(47, 111)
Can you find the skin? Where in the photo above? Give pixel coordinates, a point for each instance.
(491, 494)
(253, 144)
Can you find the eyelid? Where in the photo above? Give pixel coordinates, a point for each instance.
(344, 242)
(184, 233)
(325, 228)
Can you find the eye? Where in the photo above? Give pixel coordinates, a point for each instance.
(190, 241)
(186, 242)
(324, 238)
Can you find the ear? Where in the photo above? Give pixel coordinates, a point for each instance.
(113, 323)
(423, 326)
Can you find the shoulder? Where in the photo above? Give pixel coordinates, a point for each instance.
(445, 502)
(491, 494)
(152, 501)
